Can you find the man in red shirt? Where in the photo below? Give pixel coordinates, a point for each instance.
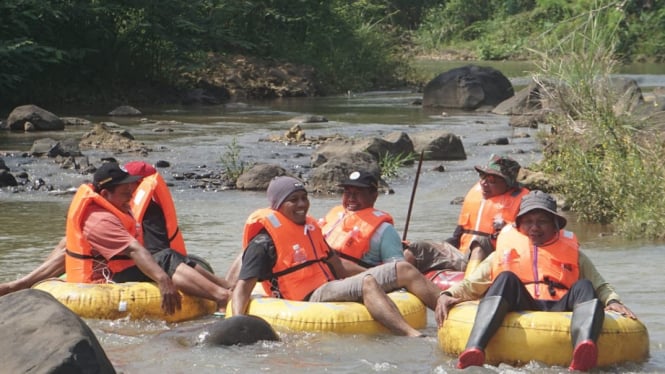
(110, 239)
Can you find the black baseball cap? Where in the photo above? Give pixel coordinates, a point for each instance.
(111, 174)
(361, 179)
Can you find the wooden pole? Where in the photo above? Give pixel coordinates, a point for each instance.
(413, 195)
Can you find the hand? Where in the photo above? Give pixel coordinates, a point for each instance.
(443, 305)
(171, 299)
(621, 309)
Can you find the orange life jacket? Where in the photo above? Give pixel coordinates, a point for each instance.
(80, 260)
(301, 251)
(154, 187)
(485, 217)
(350, 232)
(548, 272)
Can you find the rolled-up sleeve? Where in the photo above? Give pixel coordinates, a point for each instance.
(474, 286)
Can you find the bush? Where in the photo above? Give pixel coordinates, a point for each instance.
(611, 172)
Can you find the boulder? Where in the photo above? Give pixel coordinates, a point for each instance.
(326, 176)
(258, 177)
(53, 148)
(528, 100)
(395, 144)
(439, 145)
(468, 88)
(33, 118)
(41, 335)
(102, 137)
(7, 179)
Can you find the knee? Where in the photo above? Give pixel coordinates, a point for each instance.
(584, 287)
(369, 282)
(506, 280)
(506, 276)
(409, 257)
(405, 268)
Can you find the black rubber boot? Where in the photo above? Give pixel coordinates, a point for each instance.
(490, 314)
(585, 327)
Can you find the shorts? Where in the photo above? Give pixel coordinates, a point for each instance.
(437, 256)
(351, 288)
(167, 259)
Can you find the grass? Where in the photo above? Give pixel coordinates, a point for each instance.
(612, 170)
(390, 163)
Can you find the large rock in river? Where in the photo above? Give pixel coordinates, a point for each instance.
(33, 118)
(468, 87)
(40, 335)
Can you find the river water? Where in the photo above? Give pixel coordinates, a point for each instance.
(212, 224)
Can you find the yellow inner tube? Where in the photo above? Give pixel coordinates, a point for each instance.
(544, 337)
(340, 317)
(135, 300)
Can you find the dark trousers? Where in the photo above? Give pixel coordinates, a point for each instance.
(514, 292)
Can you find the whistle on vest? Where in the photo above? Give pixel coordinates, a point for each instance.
(352, 236)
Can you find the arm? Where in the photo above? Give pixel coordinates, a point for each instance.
(387, 243)
(241, 295)
(606, 293)
(343, 268)
(171, 300)
(52, 267)
(473, 287)
(254, 263)
(234, 271)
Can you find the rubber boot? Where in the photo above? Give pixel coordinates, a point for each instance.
(490, 314)
(585, 327)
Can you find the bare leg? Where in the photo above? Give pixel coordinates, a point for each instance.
(213, 278)
(234, 270)
(191, 282)
(410, 278)
(384, 310)
(53, 266)
(409, 257)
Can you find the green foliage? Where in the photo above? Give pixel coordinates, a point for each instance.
(390, 163)
(502, 29)
(611, 171)
(233, 165)
(104, 49)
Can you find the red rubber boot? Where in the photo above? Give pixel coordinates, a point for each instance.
(471, 357)
(585, 356)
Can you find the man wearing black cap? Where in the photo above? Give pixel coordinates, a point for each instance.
(566, 280)
(158, 238)
(358, 231)
(286, 251)
(104, 244)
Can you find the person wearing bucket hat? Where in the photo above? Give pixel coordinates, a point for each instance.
(284, 249)
(565, 279)
(356, 230)
(489, 205)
